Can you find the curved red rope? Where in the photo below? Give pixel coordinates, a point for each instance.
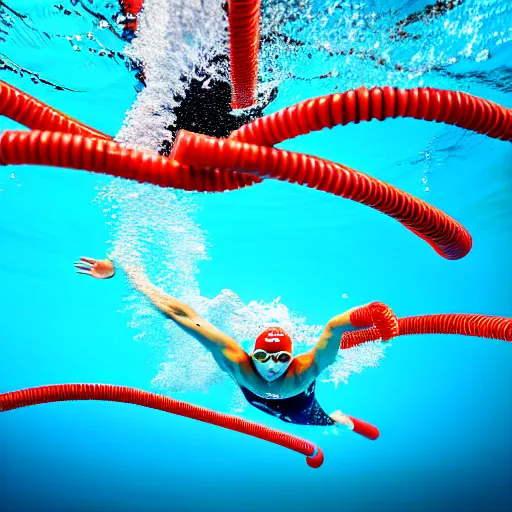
(448, 238)
(67, 392)
(244, 44)
(481, 326)
(109, 157)
(354, 106)
(35, 114)
(379, 317)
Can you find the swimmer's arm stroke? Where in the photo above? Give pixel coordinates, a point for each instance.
(313, 363)
(216, 341)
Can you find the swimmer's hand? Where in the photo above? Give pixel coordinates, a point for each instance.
(100, 269)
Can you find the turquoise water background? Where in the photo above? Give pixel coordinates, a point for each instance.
(442, 403)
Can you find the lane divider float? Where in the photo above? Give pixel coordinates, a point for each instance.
(36, 115)
(108, 157)
(105, 392)
(383, 325)
(244, 45)
(353, 106)
(445, 235)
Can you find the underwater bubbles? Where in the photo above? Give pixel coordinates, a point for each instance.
(175, 41)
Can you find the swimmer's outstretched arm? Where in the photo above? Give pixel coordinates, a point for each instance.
(217, 342)
(212, 338)
(324, 353)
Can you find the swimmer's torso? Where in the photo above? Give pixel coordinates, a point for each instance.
(301, 409)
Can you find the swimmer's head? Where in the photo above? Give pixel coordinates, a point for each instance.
(272, 354)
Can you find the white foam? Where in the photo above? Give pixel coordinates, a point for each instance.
(174, 39)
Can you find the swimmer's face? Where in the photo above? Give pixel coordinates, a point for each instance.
(271, 365)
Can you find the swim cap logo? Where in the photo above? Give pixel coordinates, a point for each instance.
(274, 337)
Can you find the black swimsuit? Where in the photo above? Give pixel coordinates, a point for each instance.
(207, 108)
(301, 409)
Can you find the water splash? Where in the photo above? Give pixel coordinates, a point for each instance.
(244, 322)
(154, 228)
(176, 42)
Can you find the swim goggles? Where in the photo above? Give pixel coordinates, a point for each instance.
(262, 356)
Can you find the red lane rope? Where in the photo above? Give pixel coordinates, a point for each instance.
(35, 114)
(132, 8)
(386, 325)
(109, 157)
(244, 43)
(67, 392)
(354, 106)
(376, 315)
(482, 326)
(448, 238)
(364, 429)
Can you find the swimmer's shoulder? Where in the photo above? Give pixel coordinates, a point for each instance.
(239, 365)
(302, 368)
(300, 374)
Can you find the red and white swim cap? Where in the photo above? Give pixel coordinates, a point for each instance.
(274, 339)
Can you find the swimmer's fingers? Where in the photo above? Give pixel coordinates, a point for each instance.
(83, 264)
(82, 268)
(86, 272)
(86, 259)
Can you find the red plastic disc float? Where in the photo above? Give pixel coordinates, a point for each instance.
(67, 392)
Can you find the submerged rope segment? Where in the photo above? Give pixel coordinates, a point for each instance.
(104, 392)
(109, 157)
(448, 238)
(36, 115)
(426, 103)
(244, 44)
(385, 325)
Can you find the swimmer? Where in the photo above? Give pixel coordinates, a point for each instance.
(270, 377)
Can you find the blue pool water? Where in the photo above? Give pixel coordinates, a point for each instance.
(272, 252)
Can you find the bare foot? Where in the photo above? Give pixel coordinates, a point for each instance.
(342, 420)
